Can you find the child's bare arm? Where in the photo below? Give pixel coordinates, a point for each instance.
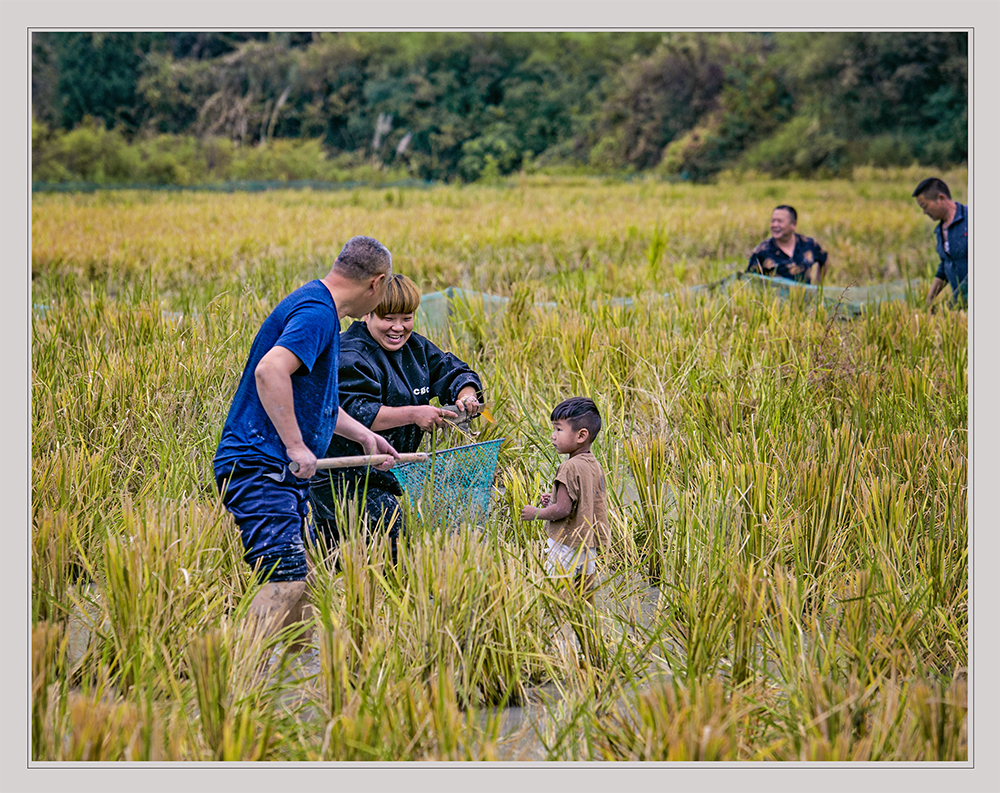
(556, 511)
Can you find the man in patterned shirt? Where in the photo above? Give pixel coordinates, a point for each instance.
(787, 254)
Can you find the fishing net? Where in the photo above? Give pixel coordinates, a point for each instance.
(439, 309)
(453, 486)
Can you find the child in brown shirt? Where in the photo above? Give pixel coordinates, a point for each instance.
(575, 514)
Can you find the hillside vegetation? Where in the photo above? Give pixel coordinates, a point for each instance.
(189, 108)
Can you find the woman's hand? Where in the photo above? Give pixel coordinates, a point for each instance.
(544, 500)
(468, 401)
(427, 417)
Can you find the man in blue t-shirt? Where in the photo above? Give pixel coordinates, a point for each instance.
(952, 234)
(285, 410)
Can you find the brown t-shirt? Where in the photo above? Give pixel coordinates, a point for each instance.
(587, 524)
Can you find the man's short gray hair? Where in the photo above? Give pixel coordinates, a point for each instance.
(363, 257)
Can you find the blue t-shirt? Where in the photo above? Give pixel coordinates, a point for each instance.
(306, 324)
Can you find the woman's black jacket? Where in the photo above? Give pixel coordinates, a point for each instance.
(371, 377)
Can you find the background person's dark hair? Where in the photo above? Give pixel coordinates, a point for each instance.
(932, 187)
(362, 257)
(581, 413)
(791, 211)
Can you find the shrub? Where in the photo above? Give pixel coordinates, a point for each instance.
(89, 153)
(491, 155)
(883, 151)
(803, 146)
(281, 160)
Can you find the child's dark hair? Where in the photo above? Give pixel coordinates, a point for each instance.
(581, 413)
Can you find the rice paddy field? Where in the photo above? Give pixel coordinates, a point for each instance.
(788, 488)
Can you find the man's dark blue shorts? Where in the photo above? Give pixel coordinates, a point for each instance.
(270, 505)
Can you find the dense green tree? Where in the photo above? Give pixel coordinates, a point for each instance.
(751, 103)
(45, 101)
(913, 85)
(655, 99)
(469, 105)
(97, 77)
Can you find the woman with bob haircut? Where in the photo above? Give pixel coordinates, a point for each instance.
(388, 375)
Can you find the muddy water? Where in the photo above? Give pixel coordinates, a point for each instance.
(520, 725)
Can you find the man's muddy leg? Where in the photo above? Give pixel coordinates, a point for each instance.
(276, 606)
(305, 610)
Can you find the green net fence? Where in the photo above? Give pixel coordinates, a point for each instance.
(235, 186)
(437, 309)
(453, 487)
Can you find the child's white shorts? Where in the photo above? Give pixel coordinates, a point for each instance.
(562, 560)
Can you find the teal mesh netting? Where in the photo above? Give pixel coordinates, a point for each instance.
(437, 309)
(453, 487)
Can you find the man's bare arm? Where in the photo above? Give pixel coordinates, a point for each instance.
(274, 387)
(936, 286)
(352, 429)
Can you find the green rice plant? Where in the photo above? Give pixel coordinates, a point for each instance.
(517, 488)
(826, 483)
(699, 594)
(853, 627)
(920, 719)
(453, 598)
(389, 718)
(899, 627)
(53, 566)
(162, 581)
(362, 584)
(49, 685)
(794, 485)
(784, 629)
(699, 721)
(647, 462)
(577, 630)
(654, 254)
(84, 723)
(471, 606)
(942, 565)
(386, 708)
(334, 659)
(747, 653)
(888, 721)
(834, 726)
(100, 730)
(804, 649)
(883, 530)
(758, 490)
(234, 724)
(941, 716)
(561, 726)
